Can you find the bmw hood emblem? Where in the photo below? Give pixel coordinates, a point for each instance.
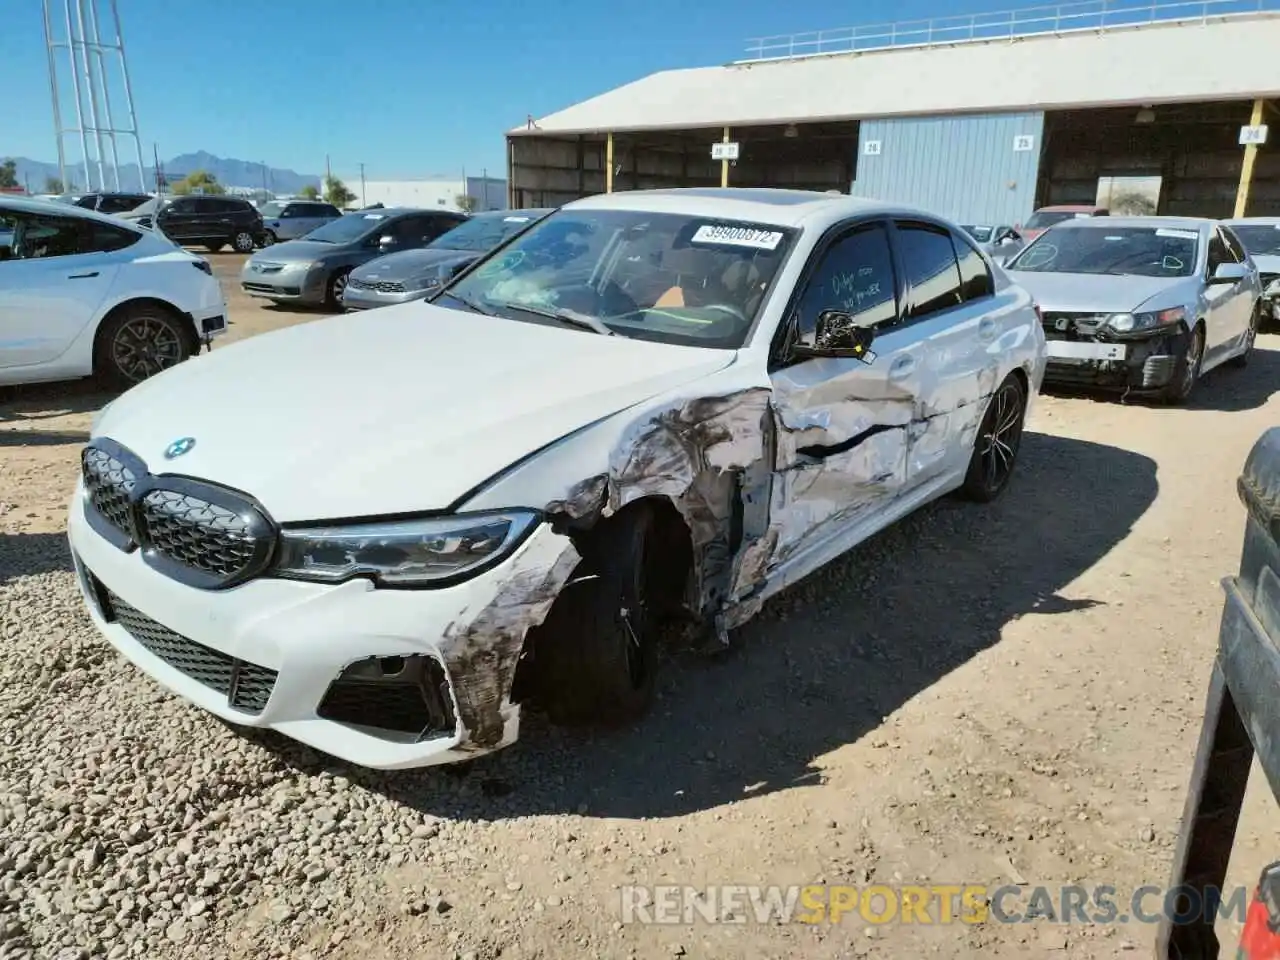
(179, 447)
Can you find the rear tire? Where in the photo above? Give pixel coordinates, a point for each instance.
(243, 242)
(139, 342)
(1187, 370)
(597, 651)
(995, 450)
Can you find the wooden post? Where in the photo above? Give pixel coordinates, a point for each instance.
(724, 164)
(608, 164)
(1246, 168)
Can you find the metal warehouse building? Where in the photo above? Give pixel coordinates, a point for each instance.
(1021, 110)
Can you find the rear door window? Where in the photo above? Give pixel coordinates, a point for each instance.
(928, 260)
(975, 278)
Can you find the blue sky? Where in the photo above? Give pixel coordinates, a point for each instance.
(407, 87)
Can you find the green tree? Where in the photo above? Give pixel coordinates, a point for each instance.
(310, 192)
(53, 185)
(336, 192)
(465, 202)
(8, 173)
(198, 181)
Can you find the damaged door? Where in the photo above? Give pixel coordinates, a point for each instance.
(841, 422)
(949, 304)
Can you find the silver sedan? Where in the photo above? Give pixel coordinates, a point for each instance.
(1141, 304)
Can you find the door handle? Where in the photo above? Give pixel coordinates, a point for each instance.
(82, 276)
(987, 329)
(902, 367)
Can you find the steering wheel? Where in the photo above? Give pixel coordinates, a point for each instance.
(727, 308)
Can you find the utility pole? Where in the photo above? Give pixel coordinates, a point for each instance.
(362, 197)
(265, 191)
(155, 153)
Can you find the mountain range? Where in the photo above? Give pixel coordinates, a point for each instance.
(230, 173)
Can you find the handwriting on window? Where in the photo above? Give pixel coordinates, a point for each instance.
(857, 290)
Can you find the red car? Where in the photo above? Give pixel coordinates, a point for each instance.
(1046, 217)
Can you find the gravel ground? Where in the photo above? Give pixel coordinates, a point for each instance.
(979, 695)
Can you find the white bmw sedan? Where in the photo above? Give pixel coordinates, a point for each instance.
(82, 293)
(383, 533)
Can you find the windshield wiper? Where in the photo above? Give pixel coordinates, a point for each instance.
(469, 304)
(571, 317)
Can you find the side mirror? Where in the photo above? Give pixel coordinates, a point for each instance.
(838, 334)
(1229, 273)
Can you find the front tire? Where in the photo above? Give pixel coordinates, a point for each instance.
(337, 284)
(139, 342)
(1187, 370)
(243, 242)
(995, 451)
(597, 651)
(268, 239)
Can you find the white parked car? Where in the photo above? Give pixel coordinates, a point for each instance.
(82, 293)
(382, 533)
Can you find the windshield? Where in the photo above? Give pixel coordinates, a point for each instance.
(347, 229)
(667, 277)
(1117, 251)
(482, 232)
(1260, 240)
(1042, 219)
(981, 234)
(272, 209)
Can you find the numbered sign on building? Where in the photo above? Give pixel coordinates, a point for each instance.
(724, 151)
(872, 148)
(1023, 142)
(1254, 135)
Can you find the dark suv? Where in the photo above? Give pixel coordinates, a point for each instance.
(212, 222)
(112, 202)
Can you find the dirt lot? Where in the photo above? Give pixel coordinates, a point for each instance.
(980, 695)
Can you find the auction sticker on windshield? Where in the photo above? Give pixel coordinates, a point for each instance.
(738, 237)
(375, 216)
(1178, 234)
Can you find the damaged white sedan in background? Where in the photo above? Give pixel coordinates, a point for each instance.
(381, 534)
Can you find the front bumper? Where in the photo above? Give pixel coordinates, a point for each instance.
(1149, 363)
(299, 647)
(354, 298)
(287, 283)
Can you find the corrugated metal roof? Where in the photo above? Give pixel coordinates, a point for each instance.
(1229, 59)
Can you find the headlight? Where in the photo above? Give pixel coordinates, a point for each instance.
(403, 553)
(1135, 322)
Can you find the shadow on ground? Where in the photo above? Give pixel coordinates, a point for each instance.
(1225, 388)
(31, 554)
(43, 401)
(825, 661)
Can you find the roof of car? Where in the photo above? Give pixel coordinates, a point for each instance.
(391, 211)
(784, 208)
(1110, 223)
(533, 213)
(1252, 221)
(32, 205)
(1069, 208)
